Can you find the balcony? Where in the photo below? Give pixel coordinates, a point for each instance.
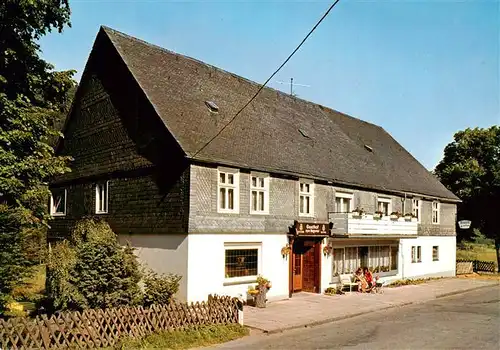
(347, 225)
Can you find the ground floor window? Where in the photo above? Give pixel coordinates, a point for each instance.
(241, 261)
(435, 253)
(378, 258)
(416, 254)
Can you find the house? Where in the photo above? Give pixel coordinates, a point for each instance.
(273, 194)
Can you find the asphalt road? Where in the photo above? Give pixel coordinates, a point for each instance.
(465, 321)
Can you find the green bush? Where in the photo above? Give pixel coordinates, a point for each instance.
(92, 271)
(160, 289)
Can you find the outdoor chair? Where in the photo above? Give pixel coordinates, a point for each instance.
(347, 281)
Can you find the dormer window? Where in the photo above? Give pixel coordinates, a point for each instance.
(212, 106)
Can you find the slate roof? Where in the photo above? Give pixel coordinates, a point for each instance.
(276, 132)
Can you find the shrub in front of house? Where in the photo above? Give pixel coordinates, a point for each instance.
(160, 288)
(92, 270)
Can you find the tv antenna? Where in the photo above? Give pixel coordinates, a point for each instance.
(292, 84)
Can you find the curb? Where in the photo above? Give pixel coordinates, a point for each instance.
(344, 317)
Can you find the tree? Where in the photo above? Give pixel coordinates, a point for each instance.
(92, 270)
(31, 93)
(471, 169)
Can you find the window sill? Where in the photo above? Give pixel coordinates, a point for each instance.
(259, 213)
(58, 214)
(306, 215)
(228, 211)
(101, 212)
(247, 280)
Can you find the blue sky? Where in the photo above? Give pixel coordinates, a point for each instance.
(420, 69)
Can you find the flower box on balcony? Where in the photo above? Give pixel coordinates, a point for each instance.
(378, 215)
(357, 213)
(395, 215)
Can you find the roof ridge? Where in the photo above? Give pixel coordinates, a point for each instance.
(257, 85)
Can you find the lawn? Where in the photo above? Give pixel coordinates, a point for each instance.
(203, 336)
(474, 251)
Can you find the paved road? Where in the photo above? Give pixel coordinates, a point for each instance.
(465, 321)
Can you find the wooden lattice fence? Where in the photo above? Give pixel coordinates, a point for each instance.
(102, 328)
(482, 266)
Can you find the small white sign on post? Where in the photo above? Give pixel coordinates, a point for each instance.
(464, 224)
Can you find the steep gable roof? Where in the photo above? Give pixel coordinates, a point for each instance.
(276, 132)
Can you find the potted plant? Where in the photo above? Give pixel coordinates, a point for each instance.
(327, 250)
(263, 285)
(285, 251)
(378, 215)
(395, 215)
(408, 216)
(357, 212)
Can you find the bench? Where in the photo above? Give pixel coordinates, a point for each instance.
(347, 281)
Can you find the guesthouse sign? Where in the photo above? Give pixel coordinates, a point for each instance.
(311, 229)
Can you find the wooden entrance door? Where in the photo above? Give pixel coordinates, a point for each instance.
(305, 265)
(297, 271)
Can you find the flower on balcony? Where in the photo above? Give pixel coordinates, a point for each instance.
(378, 215)
(395, 215)
(409, 216)
(357, 212)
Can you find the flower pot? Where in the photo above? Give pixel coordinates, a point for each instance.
(394, 217)
(260, 299)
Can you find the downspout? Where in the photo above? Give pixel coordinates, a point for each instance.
(401, 243)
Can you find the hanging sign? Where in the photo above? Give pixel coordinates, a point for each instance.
(311, 229)
(464, 224)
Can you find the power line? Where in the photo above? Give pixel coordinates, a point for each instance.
(268, 79)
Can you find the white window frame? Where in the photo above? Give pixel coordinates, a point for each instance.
(309, 194)
(53, 212)
(235, 186)
(437, 255)
(344, 196)
(238, 246)
(385, 200)
(416, 210)
(98, 193)
(416, 254)
(258, 189)
(436, 210)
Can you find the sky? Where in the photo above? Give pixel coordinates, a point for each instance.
(421, 69)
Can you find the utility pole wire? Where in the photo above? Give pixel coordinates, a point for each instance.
(269, 79)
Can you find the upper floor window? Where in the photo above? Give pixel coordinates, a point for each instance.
(416, 208)
(58, 202)
(228, 190)
(259, 193)
(343, 202)
(306, 198)
(101, 197)
(384, 205)
(435, 212)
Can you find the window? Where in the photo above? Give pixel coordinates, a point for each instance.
(435, 212)
(416, 254)
(259, 193)
(228, 191)
(58, 202)
(416, 208)
(384, 205)
(383, 258)
(343, 202)
(435, 253)
(101, 198)
(242, 261)
(306, 198)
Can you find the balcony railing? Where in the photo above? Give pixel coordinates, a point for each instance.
(345, 224)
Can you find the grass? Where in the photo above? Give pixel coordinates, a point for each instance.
(474, 251)
(202, 336)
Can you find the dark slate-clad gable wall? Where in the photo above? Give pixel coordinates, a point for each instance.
(114, 135)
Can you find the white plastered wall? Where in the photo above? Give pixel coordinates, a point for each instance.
(166, 253)
(206, 265)
(444, 267)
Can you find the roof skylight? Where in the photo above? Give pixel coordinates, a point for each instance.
(212, 106)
